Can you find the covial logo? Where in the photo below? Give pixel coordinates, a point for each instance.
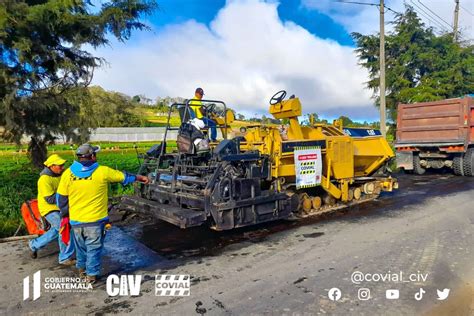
(334, 294)
(36, 286)
(172, 285)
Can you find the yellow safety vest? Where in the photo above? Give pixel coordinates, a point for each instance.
(47, 186)
(88, 197)
(196, 107)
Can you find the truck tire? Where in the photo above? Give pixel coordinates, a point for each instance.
(458, 167)
(417, 168)
(468, 163)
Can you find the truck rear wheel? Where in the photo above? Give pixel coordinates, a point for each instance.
(417, 168)
(468, 163)
(458, 167)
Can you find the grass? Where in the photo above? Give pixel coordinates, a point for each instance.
(175, 121)
(18, 178)
(16, 186)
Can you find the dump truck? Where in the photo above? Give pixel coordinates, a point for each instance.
(266, 173)
(435, 135)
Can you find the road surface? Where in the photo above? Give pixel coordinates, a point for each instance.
(420, 237)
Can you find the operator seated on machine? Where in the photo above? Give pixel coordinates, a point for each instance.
(197, 112)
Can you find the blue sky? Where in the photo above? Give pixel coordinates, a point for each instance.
(204, 11)
(314, 21)
(179, 11)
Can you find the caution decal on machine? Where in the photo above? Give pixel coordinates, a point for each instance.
(308, 166)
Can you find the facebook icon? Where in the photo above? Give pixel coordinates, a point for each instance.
(334, 294)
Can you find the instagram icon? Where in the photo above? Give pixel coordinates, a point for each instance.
(363, 294)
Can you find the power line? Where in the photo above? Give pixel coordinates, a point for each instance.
(467, 10)
(396, 12)
(356, 2)
(429, 17)
(451, 27)
(435, 14)
(367, 3)
(427, 13)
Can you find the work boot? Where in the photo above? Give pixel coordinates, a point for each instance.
(68, 262)
(33, 254)
(91, 279)
(82, 273)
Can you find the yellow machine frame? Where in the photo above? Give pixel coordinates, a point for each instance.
(345, 159)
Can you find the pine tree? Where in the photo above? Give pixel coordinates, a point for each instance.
(43, 60)
(420, 65)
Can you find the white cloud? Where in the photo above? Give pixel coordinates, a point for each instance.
(244, 57)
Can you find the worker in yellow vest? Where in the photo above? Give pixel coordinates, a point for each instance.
(83, 198)
(48, 183)
(196, 106)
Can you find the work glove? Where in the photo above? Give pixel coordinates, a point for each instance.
(65, 230)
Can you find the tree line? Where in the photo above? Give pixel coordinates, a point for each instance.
(45, 70)
(420, 65)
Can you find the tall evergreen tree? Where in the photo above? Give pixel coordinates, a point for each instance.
(43, 59)
(420, 65)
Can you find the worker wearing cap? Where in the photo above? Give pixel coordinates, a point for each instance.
(196, 106)
(48, 183)
(83, 198)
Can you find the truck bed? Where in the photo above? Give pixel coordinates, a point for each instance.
(447, 122)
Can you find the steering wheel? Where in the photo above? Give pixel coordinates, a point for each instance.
(278, 97)
(210, 108)
(215, 109)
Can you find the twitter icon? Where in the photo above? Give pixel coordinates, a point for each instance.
(442, 295)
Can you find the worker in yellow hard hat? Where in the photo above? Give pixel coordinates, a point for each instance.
(48, 183)
(196, 106)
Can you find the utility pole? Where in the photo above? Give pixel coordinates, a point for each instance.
(383, 127)
(456, 19)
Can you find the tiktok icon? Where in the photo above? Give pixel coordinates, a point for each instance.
(419, 294)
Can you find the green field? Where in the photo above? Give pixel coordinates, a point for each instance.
(18, 178)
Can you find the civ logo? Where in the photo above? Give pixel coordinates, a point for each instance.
(36, 286)
(124, 285)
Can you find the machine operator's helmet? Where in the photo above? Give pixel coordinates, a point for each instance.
(200, 91)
